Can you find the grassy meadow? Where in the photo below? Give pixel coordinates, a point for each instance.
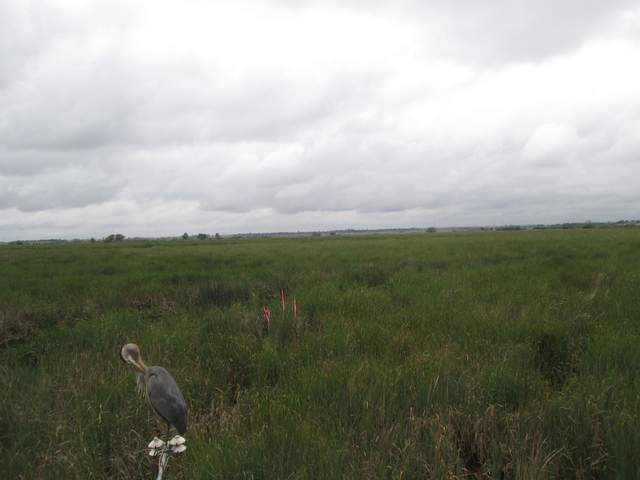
(506, 355)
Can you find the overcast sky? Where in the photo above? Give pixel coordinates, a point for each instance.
(159, 117)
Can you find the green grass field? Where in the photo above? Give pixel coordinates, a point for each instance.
(479, 355)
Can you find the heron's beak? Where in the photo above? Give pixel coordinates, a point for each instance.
(136, 366)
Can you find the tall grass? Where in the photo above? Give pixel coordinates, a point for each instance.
(482, 355)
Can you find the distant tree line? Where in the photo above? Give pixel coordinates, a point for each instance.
(201, 236)
(114, 237)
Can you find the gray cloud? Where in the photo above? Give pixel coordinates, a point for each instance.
(67, 188)
(524, 30)
(151, 119)
(493, 31)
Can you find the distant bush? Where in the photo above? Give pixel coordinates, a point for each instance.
(114, 237)
(221, 294)
(509, 227)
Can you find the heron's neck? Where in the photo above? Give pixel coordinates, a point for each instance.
(142, 364)
(141, 376)
(141, 381)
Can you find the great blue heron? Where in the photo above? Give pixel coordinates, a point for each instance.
(161, 390)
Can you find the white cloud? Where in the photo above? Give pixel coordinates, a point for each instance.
(551, 139)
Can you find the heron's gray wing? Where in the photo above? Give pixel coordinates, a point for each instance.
(166, 398)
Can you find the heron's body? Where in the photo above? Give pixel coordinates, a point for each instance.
(161, 390)
(165, 398)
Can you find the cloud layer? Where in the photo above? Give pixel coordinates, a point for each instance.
(151, 118)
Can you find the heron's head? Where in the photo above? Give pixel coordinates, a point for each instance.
(130, 354)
